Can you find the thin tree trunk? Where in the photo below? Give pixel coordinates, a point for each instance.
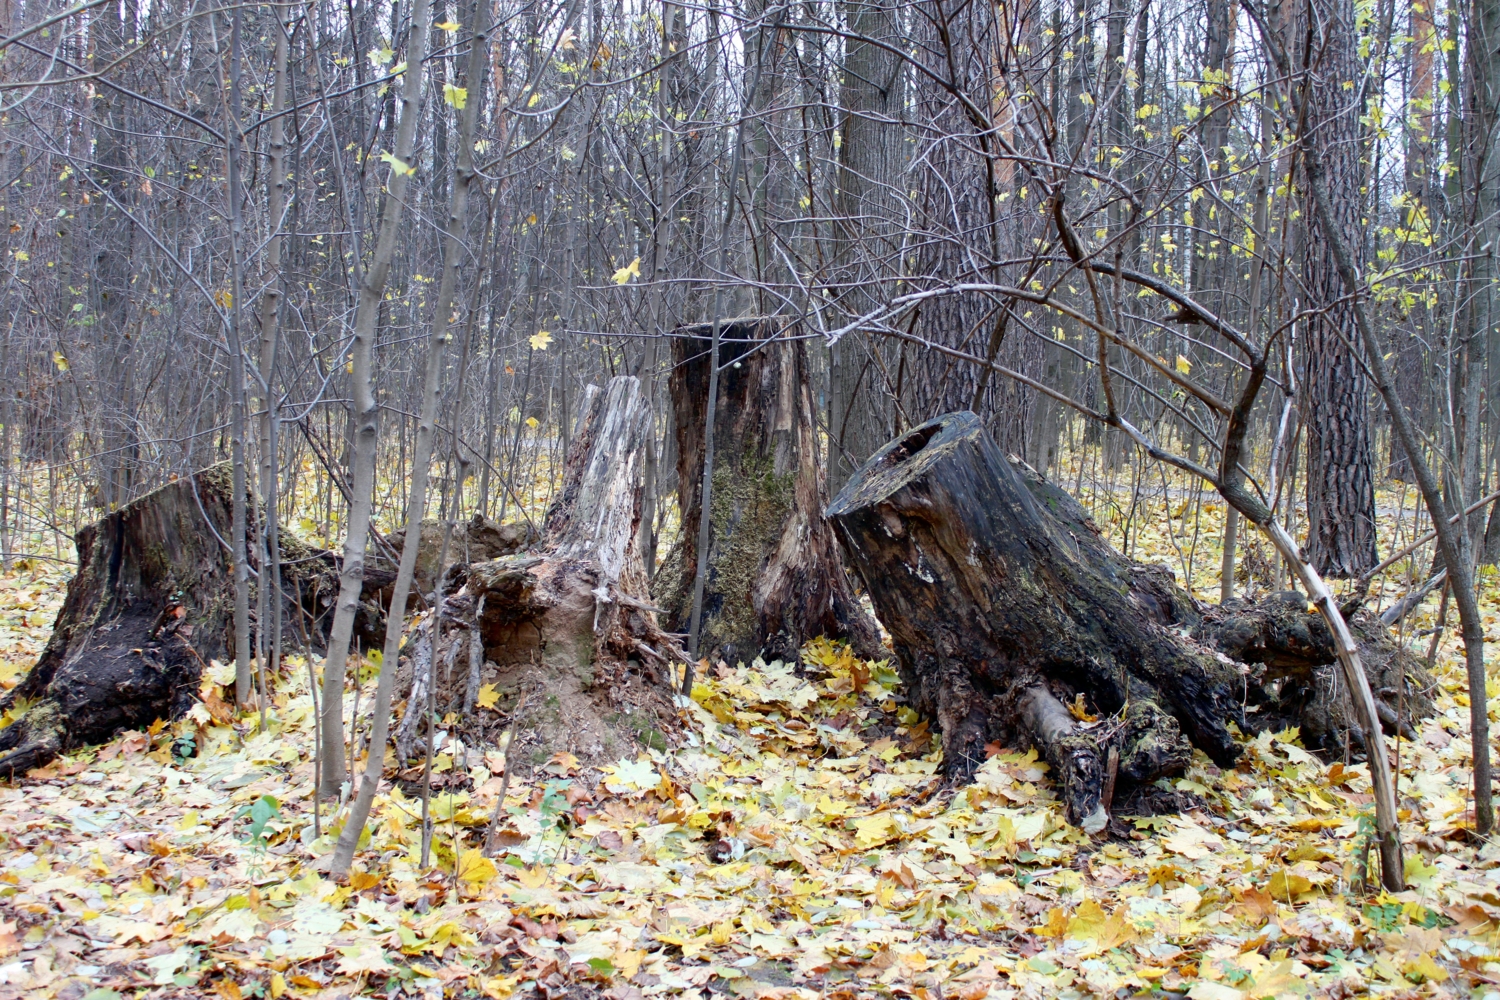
(463, 179)
(243, 683)
(367, 413)
(270, 318)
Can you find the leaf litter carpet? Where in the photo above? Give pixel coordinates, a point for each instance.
(797, 844)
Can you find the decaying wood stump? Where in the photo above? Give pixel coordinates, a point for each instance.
(1015, 622)
(151, 604)
(775, 574)
(569, 623)
(1294, 678)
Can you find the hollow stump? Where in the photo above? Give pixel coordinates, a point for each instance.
(775, 577)
(1014, 622)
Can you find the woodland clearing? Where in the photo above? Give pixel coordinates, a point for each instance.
(850, 499)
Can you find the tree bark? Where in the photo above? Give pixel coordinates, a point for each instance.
(774, 575)
(870, 155)
(151, 604)
(1013, 621)
(1340, 478)
(1293, 656)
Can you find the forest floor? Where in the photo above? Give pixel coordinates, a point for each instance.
(796, 844)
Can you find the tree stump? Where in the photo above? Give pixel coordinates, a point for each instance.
(775, 576)
(570, 623)
(1013, 622)
(151, 604)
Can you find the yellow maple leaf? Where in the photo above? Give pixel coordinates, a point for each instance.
(829, 806)
(500, 987)
(631, 270)
(474, 868)
(448, 26)
(1286, 884)
(1056, 925)
(1184, 365)
(873, 830)
(532, 878)
(540, 340)
(1425, 967)
(367, 958)
(488, 697)
(397, 165)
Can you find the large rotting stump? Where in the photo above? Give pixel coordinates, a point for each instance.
(567, 626)
(1013, 622)
(151, 604)
(775, 577)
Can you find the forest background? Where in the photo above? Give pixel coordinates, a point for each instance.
(1225, 272)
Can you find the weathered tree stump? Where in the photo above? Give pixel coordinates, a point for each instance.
(1013, 622)
(151, 604)
(571, 622)
(775, 576)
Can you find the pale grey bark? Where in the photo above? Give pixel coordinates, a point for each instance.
(366, 427)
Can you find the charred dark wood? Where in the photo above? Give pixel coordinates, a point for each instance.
(775, 575)
(151, 604)
(1014, 622)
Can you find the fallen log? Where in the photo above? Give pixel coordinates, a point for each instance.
(150, 606)
(1014, 622)
(775, 577)
(571, 620)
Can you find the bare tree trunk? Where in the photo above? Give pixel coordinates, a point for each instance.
(872, 97)
(367, 410)
(472, 83)
(243, 683)
(1340, 475)
(268, 605)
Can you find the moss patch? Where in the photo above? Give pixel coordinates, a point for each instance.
(751, 504)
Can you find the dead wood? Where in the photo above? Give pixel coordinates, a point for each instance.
(775, 576)
(151, 605)
(571, 620)
(1015, 623)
